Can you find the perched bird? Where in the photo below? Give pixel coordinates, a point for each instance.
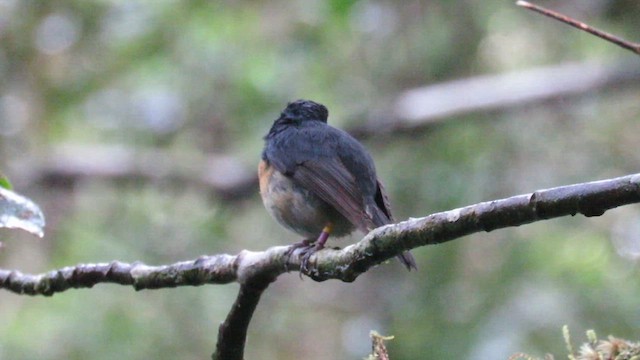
(317, 180)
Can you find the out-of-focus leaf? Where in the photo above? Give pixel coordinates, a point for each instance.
(18, 212)
(4, 182)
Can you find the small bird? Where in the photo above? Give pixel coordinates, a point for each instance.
(317, 180)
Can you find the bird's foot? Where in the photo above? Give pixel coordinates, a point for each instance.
(305, 249)
(310, 247)
(304, 245)
(306, 255)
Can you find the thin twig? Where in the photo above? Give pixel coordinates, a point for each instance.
(378, 348)
(635, 47)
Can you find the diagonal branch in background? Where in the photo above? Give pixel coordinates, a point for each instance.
(635, 47)
(66, 164)
(256, 270)
(417, 108)
(421, 107)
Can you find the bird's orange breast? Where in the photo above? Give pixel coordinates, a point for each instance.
(296, 208)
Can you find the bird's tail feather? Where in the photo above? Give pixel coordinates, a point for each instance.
(407, 259)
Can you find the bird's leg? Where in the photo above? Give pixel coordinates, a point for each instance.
(309, 247)
(324, 235)
(317, 246)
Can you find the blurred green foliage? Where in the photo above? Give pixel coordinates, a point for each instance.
(199, 77)
(5, 183)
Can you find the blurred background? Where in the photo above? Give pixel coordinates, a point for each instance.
(137, 126)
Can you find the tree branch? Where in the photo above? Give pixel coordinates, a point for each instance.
(229, 179)
(589, 199)
(232, 333)
(256, 270)
(635, 47)
(429, 105)
(224, 175)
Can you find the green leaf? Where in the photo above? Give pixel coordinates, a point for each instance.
(4, 182)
